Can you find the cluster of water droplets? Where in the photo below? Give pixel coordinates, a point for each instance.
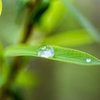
(46, 51)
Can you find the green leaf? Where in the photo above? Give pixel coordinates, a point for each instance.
(61, 54)
(3, 67)
(2, 64)
(82, 20)
(21, 4)
(70, 38)
(26, 79)
(52, 16)
(1, 53)
(1, 82)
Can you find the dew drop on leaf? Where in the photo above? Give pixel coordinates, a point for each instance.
(88, 60)
(46, 51)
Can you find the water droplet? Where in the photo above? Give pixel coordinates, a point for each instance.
(46, 51)
(88, 60)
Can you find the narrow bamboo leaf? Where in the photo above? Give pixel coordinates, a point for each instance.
(83, 20)
(0, 6)
(61, 54)
(71, 38)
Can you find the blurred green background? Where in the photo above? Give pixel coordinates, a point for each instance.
(58, 81)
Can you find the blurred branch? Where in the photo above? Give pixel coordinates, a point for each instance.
(29, 24)
(17, 60)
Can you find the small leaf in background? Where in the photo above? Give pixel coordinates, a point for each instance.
(60, 54)
(52, 16)
(1, 53)
(82, 20)
(42, 7)
(21, 7)
(1, 65)
(26, 79)
(1, 81)
(4, 69)
(70, 38)
(0, 6)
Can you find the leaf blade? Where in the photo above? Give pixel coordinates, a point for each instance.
(70, 38)
(61, 54)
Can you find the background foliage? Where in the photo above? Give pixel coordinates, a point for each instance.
(75, 25)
